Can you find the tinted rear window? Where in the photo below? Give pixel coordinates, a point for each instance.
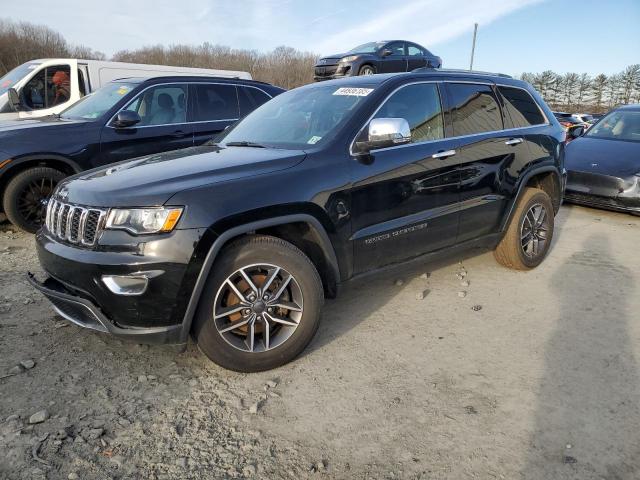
(474, 109)
(216, 102)
(250, 99)
(522, 109)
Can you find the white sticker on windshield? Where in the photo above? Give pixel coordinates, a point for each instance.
(354, 92)
(314, 139)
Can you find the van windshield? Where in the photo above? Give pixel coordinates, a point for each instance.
(300, 118)
(97, 104)
(14, 76)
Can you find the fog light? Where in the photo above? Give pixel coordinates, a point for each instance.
(126, 284)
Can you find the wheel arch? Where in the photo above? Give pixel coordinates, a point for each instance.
(315, 244)
(20, 164)
(546, 178)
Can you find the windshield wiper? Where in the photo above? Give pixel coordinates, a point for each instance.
(244, 144)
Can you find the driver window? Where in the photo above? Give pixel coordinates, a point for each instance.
(48, 88)
(161, 105)
(419, 105)
(397, 49)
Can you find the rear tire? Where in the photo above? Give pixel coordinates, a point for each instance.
(530, 232)
(26, 196)
(261, 329)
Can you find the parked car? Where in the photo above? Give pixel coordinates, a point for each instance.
(567, 120)
(126, 118)
(604, 164)
(239, 242)
(48, 86)
(584, 118)
(376, 57)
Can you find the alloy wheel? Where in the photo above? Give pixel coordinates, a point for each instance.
(258, 308)
(32, 200)
(533, 230)
(366, 71)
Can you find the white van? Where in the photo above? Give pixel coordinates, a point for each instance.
(50, 85)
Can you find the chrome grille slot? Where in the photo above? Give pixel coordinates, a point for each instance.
(73, 223)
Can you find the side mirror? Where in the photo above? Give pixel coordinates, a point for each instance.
(386, 52)
(385, 132)
(575, 132)
(14, 99)
(126, 118)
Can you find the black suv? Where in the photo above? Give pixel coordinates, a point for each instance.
(124, 119)
(376, 57)
(239, 242)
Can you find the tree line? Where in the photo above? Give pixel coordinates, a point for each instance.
(580, 92)
(284, 66)
(289, 68)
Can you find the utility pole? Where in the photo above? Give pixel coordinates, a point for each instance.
(473, 45)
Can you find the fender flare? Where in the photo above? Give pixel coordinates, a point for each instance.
(523, 182)
(219, 242)
(17, 161)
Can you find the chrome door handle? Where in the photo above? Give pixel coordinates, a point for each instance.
(513, 141)
(445, 154)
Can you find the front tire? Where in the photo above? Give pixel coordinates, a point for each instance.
(367, 70)
(260, 306)
(26, 196)
(528, 237)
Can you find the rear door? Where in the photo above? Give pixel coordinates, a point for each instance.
(404, 201)
(416, 57)
(488, 156)
(164, 125)
(396, 62)
(215, 107)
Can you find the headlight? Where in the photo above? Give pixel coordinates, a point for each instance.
(348, 59)
(144, 220)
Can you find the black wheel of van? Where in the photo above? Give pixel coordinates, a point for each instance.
(260, 307)
(367, 70)
(26, 196)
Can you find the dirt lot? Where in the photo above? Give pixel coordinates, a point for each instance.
(542, 382)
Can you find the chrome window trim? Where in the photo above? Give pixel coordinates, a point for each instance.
(108, 124)
(456, 137)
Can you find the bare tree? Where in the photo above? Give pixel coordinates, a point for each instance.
(599, 86)
(629, 82)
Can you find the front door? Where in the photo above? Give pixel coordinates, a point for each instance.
(51, 89)
(396, 61)
(164, 126)
(404, 200)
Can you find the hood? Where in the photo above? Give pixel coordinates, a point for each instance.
(617, 158)
(333, 59)
(152, 180)
(16, 124)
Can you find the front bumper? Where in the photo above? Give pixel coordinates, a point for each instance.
(331, 72)
(84, 313)
(604, 191)
(76, 288)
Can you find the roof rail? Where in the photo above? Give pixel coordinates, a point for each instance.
(457, 70)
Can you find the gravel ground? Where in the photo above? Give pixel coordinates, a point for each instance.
(459, 369)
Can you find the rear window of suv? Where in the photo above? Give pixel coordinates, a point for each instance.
(474, 109)
(522, 109)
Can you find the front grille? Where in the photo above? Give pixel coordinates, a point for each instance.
(74, 224)
(325, 71)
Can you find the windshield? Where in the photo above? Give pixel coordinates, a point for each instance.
(98, 103)
(299, 118)
(15, 75)
(618, 125)
(370, 47)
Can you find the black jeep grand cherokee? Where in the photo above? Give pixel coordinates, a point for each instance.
(238, 242)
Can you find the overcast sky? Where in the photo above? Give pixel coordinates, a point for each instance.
(514, 35)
